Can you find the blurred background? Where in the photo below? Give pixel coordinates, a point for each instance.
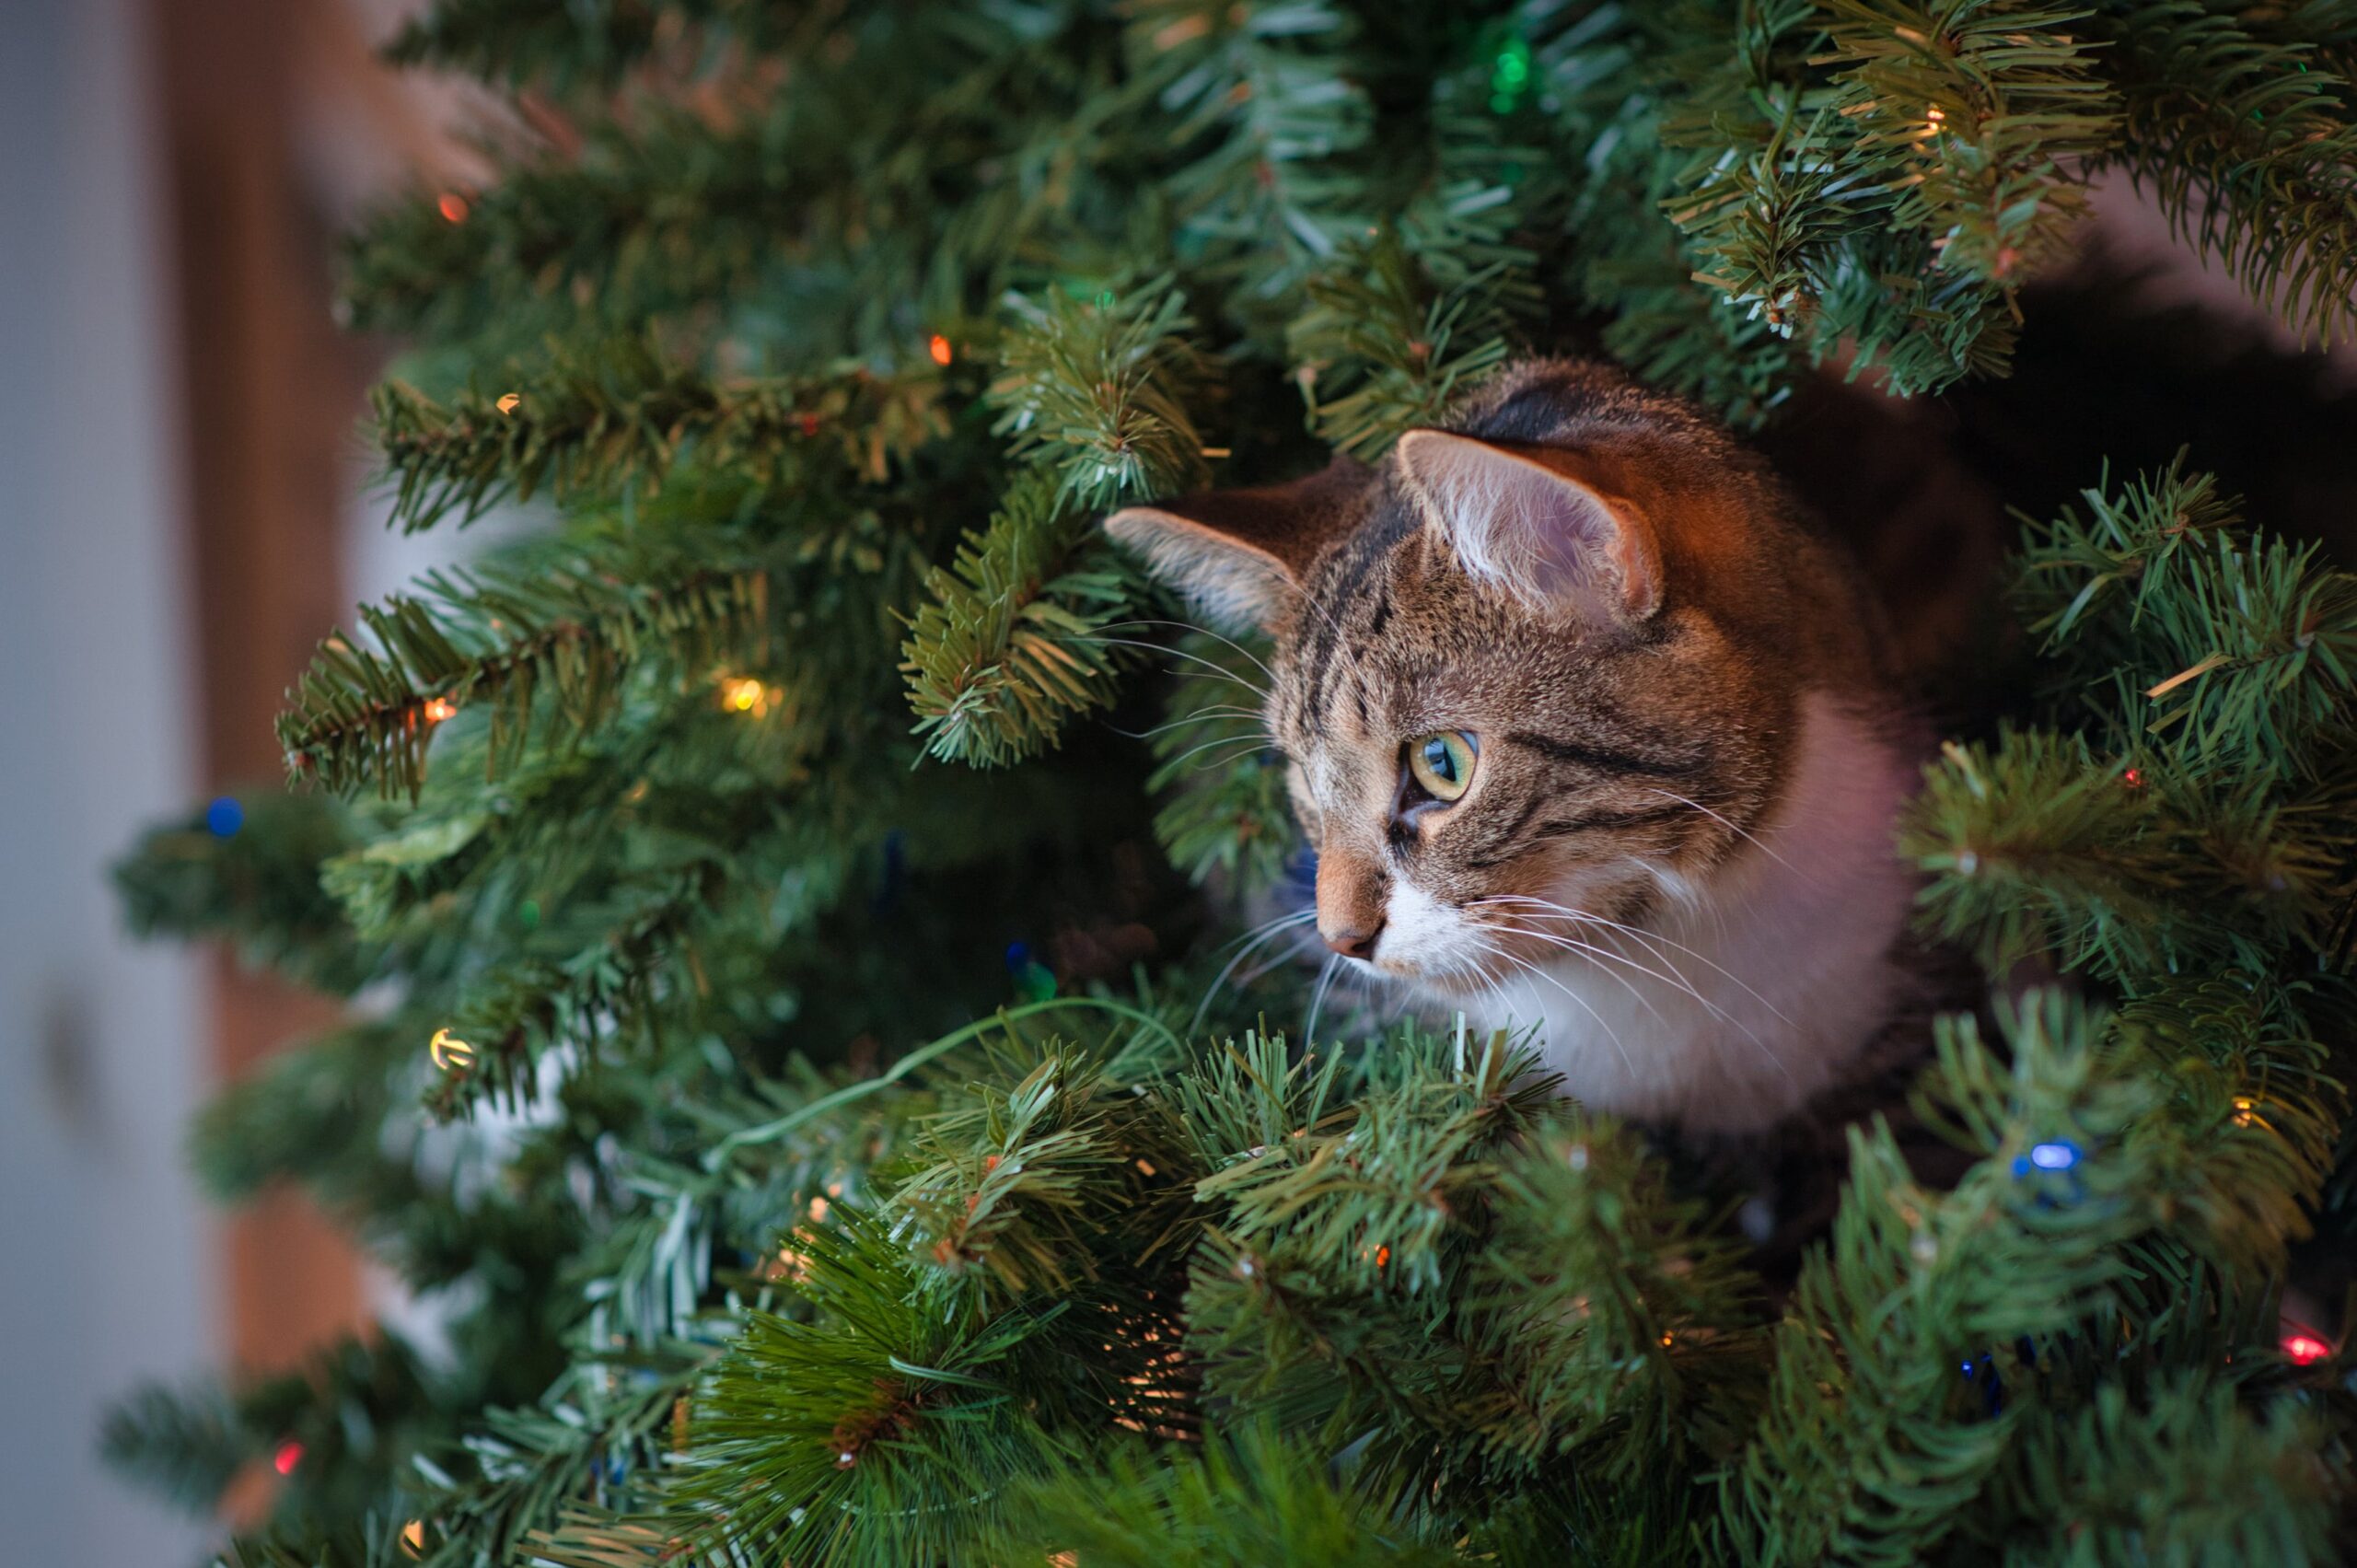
(184, 509)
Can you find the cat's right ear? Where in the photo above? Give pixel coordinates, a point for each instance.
(1240, 555)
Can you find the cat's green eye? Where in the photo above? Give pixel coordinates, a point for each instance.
(1441, 762)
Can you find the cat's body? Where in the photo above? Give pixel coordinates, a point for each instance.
(1591, 733)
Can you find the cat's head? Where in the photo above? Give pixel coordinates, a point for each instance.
(1539, 668)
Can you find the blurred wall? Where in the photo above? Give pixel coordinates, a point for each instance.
(105, 1251)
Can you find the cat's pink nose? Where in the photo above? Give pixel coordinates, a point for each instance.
(1353, 944)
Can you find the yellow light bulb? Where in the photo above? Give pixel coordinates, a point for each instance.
(744, 694)
(450, 1054)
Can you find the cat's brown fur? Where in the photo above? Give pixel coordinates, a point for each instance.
(1672, 681)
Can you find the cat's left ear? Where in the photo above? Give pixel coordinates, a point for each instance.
(1241, 554)
(1537, 522)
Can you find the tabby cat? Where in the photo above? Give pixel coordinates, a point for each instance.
(1591, 732)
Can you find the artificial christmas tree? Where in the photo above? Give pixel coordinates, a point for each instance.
(831, 853)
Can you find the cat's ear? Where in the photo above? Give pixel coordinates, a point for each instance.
(1240, 555)
(1536, 523)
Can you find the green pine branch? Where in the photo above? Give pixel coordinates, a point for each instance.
(1765, 223)
(1889, 198)
(185, 1446)
(2214, 671)
(1882, 1428)
(1009, 645)
(1419, 1264)
(602, 422)
(602, 997)
(1015, 1183)
(1374, 1194)
(1252, 1496)
(256, 884)
(835, 192)
(1381, 350)
(885, 1432)
(2037, 846)
(628, 229)
(2000, 103)
(604, 1436)
(2242, 124)
(545, 644)
(1258, 99)
(2190, 1472)
(527, 44)
(1626, 1323)
(1625, 260)
(268, 1127)
(344, 1421)
(1097, 391)
(2243, 646)
(2129, 871)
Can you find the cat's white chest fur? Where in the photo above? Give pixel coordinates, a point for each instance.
(1742, 999)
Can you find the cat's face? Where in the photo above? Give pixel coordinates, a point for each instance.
(1531, 683)
(1482, 786)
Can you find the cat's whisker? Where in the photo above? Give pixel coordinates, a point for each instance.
(1753, 1035)
(1217, 669)
(1740, 832)
(1652, 939)
(1572, 944)
(1266, 932)
(1537, 973)
(1271, 926)
(1318, 1000)
(1351, 992)
(1202, 1009)
(1407, 996)
(1453, 968)
(1293, 952)
(1201, 716)
(1248, 743)
(1686, 986)
(1205, 631)
(1654, 943)
(1675, 977)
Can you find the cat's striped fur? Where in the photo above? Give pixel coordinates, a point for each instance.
(1674, 855)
